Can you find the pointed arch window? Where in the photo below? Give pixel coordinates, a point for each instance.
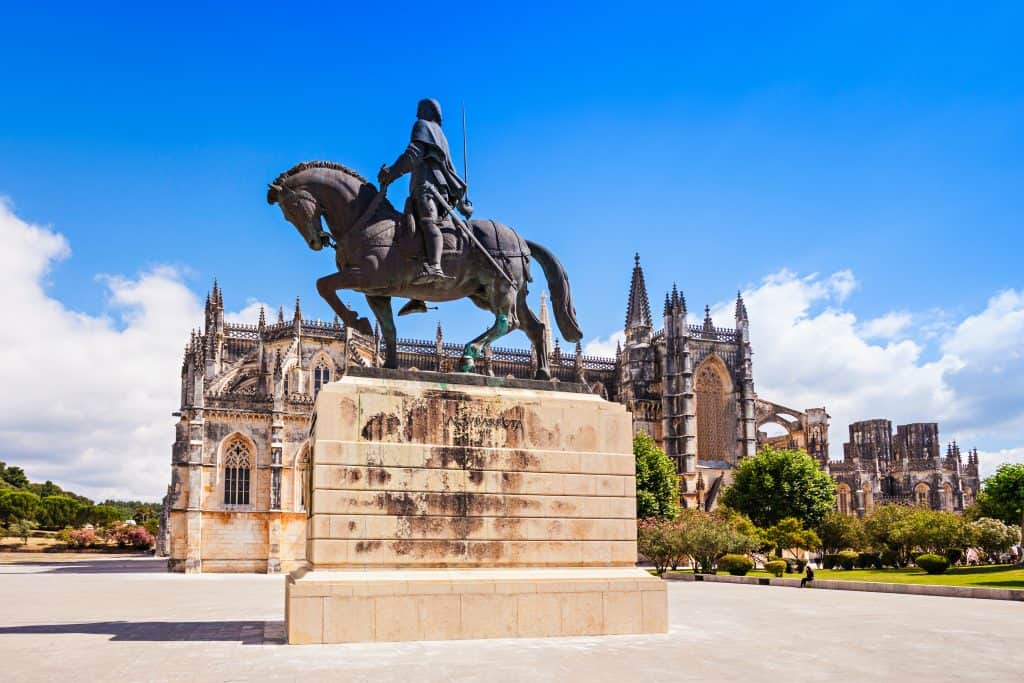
(921, 494)
(843, 499)
(712, 431)
(321, 375)
(237, 468)
(302, 478)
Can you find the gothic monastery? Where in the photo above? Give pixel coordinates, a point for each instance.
(236, 501)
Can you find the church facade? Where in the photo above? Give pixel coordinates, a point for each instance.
(235, 501)
(907, 467)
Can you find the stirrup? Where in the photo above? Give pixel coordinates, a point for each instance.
(430, 275)
(413, 306)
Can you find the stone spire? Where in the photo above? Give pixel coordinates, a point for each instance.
(741, 307)
(262, 322)
(638, 310)
(280, 315)
(546, 320)
(709, 325)
(298, 310)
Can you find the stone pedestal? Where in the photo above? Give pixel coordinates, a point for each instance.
(457, 506)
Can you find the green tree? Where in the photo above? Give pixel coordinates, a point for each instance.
(780, 483)
(886, 530)
(23, 529)
(46, 489)
(1002, 494)
(790, 534)
(16, 505)
(105, 515)
(707, 536)
(839, 531)
(60, 511)
(15, 476)
(936, 531)
(144, 512)
(657, 485)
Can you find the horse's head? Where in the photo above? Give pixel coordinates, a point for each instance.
(300, 208)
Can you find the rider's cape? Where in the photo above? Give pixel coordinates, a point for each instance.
(438, 160)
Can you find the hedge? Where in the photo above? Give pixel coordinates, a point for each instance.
(775, 568)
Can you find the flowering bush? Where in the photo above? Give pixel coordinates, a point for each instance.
(82, 538)
(661, 542)
(125, 535)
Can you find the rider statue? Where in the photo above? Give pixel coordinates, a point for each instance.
(428, 159)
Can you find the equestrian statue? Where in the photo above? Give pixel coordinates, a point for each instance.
(425, 253)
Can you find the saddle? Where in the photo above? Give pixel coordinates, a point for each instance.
(454, 240)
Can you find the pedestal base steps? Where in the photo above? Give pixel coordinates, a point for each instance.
(450, 506)
(452, 604)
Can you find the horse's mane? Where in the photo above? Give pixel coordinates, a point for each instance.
(305, 166)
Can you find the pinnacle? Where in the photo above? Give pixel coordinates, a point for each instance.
(638, 310)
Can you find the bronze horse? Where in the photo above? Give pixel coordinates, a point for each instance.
(378, 253)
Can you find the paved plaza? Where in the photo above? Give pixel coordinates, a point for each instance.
(126, 619)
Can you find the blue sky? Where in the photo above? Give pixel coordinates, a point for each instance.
(725, 143)
(720, 143)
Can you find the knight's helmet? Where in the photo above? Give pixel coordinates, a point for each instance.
(429, 109)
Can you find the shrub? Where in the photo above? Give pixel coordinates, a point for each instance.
(83, 538)
(737, 565)
(794, 564)
(775, 567)
(830, 561)
(890, 558)
(132, 535)
(847, 559)
(954, 555)
(933, 564)
(868, 561)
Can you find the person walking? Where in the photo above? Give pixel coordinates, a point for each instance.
(809, 576)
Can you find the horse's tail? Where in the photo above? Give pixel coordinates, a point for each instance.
(561, 296)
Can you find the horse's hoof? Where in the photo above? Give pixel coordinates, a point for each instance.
(467, 365)
(543, 375)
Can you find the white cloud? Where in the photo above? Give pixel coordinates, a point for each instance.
(810, 350)
(889, 326)
(89, 397)
(250, 313)
(988, 461)
(604, 347)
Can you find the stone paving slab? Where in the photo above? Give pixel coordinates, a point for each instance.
(131, 622)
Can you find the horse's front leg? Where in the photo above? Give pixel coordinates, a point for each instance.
(328, 287)
(381, 306)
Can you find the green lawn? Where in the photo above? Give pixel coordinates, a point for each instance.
(991, 576)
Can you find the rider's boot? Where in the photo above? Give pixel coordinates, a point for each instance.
(433, 242)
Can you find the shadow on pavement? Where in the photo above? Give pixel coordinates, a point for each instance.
(244, 632)
(133, 565)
